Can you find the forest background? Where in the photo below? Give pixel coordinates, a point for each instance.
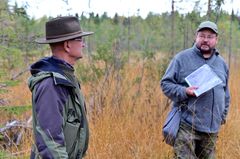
(120, 72)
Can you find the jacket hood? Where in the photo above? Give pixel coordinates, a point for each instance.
(46, 67)
(49, 64)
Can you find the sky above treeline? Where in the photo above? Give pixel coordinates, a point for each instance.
(39, 8)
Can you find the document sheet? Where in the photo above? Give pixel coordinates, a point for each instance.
(204, 78)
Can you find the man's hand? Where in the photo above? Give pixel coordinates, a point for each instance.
(190, 91)
(223, 122)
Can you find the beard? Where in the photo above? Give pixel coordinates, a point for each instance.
(205, 49)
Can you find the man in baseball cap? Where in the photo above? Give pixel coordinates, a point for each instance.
(201, 115)
(209, 25)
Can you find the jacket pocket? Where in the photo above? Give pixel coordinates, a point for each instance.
(70, 133)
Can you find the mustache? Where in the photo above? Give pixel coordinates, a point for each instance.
(204, 43)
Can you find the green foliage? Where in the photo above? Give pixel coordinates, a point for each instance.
(149, 54)
(104, 16)
(116, 19)
(137, 80)
(11, 83)
(88, 73)
(7, 83)
(118, 34)
(2, 91)
(6, 155)
(3, 154)
(16, 110)
(104, 53)
(1, 138)
(3, 73)
(97, 19)
(162, 66)
(11, 57)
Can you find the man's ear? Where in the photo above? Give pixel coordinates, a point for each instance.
(66, 45)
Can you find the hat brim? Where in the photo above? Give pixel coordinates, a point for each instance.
(49, 41)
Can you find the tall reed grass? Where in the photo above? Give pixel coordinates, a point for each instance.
(126, 111)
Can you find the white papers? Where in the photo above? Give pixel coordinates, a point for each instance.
(204, 78)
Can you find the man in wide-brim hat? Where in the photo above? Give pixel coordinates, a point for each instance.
(60, 124)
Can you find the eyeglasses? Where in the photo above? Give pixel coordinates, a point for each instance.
(79, 39)
(208, 37)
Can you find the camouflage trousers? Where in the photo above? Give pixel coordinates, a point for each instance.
(191, 144)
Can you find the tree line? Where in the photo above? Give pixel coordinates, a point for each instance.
(167, 33)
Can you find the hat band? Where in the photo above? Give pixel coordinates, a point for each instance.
(64, 35)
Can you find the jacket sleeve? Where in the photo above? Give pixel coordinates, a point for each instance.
(170, 84)
(49, 104)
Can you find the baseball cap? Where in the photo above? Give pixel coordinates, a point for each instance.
(209, 25)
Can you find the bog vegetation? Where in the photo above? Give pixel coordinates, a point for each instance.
(120, 73)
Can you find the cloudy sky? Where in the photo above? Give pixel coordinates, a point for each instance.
(38, 8)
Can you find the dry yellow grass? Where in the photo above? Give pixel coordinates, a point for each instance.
(126, 114)
(129, 127)
(134, 129)
(228, 146)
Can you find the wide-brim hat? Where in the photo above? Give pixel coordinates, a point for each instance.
(208, 25)
(61, 29)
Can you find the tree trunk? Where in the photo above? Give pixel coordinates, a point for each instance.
(172, 30)
(209, 10)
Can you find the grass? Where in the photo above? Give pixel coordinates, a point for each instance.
(126, 111)
(228, 146)
(15, 110)
(3, 154)
(3, 91)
